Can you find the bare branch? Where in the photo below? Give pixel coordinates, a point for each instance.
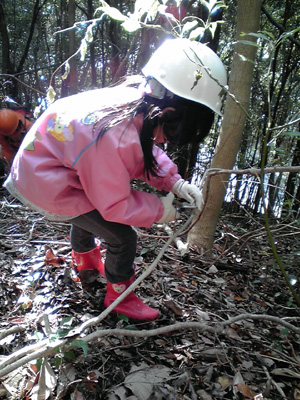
(46, 348)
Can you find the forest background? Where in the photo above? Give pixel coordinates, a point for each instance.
(51, 49)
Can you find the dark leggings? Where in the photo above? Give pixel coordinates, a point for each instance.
(120, 240)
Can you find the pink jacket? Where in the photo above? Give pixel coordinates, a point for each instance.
(62, 171)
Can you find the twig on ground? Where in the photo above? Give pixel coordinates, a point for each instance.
(280, 391)
(47, 348)
(11, 331)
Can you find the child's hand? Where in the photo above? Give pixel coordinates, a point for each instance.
(189, 192)
(170, 212)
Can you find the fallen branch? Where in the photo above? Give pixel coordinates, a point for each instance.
(11, 331)
(280, 391)
(47, 348)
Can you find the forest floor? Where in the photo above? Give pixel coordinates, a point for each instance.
(244, 343)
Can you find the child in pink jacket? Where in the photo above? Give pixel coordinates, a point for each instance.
(77, 162)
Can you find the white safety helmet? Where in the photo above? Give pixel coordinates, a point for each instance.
(190, 70)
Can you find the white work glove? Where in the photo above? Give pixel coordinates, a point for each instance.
(189, 192)
(170, 213)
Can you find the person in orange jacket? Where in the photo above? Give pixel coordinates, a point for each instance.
(13, 126)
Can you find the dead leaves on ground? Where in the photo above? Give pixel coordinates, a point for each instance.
(250, 360)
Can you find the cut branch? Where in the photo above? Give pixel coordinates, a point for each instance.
(250, 171)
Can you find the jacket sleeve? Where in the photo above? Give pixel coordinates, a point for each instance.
(105, 171)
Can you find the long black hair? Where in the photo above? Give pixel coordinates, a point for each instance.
(185, 122)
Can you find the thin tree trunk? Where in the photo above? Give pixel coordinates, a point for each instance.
(292, 193)
(248, 14)
(6, 64)
(73, 78)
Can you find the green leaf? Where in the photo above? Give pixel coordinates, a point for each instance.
(196, 33)
(268, 35)
(57, 362)
(63, 331)
(248, 42)
(212, 27)
(52, 338)
(144, 251)
(70, 355)
(131, 327)
(258, 35)
(210, 4)
(204, 3)
(82, 344)
(286, 35)
(291, 133)
(290, 301)
(123, 317)
(39, 363)
(188, 26)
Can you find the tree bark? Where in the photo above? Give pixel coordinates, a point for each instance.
(292, 193)
(248, 15)
(6, 64)
(73, 78)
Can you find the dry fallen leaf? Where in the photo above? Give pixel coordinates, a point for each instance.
(285, 372)
(142, 380)
(225, 381)
(245, 390)
(53, 260)
(173, 306)
(46, 383)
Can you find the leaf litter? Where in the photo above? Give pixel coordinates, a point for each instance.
(250, 359)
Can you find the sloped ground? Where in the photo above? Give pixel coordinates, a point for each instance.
(253, 358)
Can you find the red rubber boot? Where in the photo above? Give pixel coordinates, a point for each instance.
(131, 306)
(88, 265)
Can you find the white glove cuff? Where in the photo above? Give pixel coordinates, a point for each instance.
(176, 189)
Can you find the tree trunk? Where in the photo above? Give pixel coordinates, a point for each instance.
(72, 49)
(90, 15)
(6, 64)
(248, 15)
(292, 193)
